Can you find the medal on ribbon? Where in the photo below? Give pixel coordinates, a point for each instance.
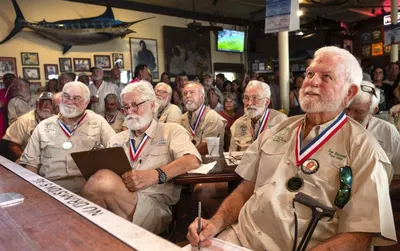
(112, 120)
(68, 144)
(136, 152)
(263, 123)
(198, 119)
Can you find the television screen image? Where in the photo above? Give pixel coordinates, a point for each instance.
(230, 40)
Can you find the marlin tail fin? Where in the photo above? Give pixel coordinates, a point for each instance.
(19, 23)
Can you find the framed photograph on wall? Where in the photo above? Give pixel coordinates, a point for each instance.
(50, 70)
(82, 64)
(103, 61)
(144, 51)
(65, 64)
(31, 73)
(30, 58)
(118, 59)
(8, 65)
(187, 51)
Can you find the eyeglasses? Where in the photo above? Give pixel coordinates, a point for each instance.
(346, 180)
(75, 99)
(134, 106)
(157, 91)
(369, 89)
(254, 99)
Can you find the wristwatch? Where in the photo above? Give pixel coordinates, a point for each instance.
(162, 177)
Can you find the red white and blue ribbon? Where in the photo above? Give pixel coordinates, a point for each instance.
(263, 123)
(136, 152)
(302, 154)
(198, 119)
(66, 130)
(112, 120)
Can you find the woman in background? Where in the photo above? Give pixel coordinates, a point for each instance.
(230, 115)
(52, 86)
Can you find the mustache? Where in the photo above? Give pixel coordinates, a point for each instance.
(312, 91)
(132, 116)
(251, 107)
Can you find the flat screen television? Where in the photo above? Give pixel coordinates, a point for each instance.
(230, 41)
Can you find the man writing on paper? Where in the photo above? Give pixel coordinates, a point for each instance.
(201, 121)
(362, 109)
(167, 112)
(19, 132)
(111, 113)
(259, 213)
(75, 129)
(157, 152)
(257, 117)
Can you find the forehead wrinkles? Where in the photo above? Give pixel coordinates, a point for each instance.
(329, 63)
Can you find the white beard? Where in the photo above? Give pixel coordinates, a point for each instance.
(324, 104)
(162, 103)
(70, 111)
(253, 111)
(191, 106)
(135, 122)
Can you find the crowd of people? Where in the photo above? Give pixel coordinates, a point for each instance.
(163, 129)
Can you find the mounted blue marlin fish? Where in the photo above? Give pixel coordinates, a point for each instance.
(75, 31)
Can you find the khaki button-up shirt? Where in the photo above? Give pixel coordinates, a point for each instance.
(243, 133)
(166, 143)
(116, 123)
(45, 151)
(21, 130)
(170, 114)
(211, 125)
(266, 221)
(17, 107)
(389, 138)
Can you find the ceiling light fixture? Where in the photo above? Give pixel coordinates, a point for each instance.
(299, 33)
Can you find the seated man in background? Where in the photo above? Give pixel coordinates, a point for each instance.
(157, 152)
(19, 132)
(75, 129)
(214, 99)
(362, 109)
(167, 112)
(23, 101)
(201, 121)
(111, 113)
(322, 154)
(257, 118)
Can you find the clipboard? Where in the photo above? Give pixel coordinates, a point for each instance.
(113, 159)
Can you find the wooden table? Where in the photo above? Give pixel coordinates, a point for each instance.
(220, 173)
(43, 223)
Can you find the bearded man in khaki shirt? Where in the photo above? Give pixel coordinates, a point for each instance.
(112, 114)
(276, 166)
(19, 132)
(257, 118)
(167, 112)
(23, 102)
(201, 121)
(75, 129)
(157, 152)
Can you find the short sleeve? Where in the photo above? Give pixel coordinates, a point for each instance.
(180, 143)
(16, 132)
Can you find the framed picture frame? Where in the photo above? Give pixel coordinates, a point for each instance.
(65, 64)
(30, 58)
(8, 65)
(50, 69)
(144, 51)
(31, 73)
(118, 60)
(82, 64)
(104, 61)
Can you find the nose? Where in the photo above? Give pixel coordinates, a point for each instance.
(314, 80)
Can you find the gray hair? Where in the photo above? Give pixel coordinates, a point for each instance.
(145, 91)
(365, 97)
(81, 85)
(169, 89)
(110, 96)
(348, 64)
(264, 86)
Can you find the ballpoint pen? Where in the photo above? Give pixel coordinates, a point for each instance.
(199, 225)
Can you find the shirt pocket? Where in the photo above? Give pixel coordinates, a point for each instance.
(89, 138)
(156, 157)
(270, 159)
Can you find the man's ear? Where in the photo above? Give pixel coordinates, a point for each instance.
(351, 93)
(376, 110)
(267, 102)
